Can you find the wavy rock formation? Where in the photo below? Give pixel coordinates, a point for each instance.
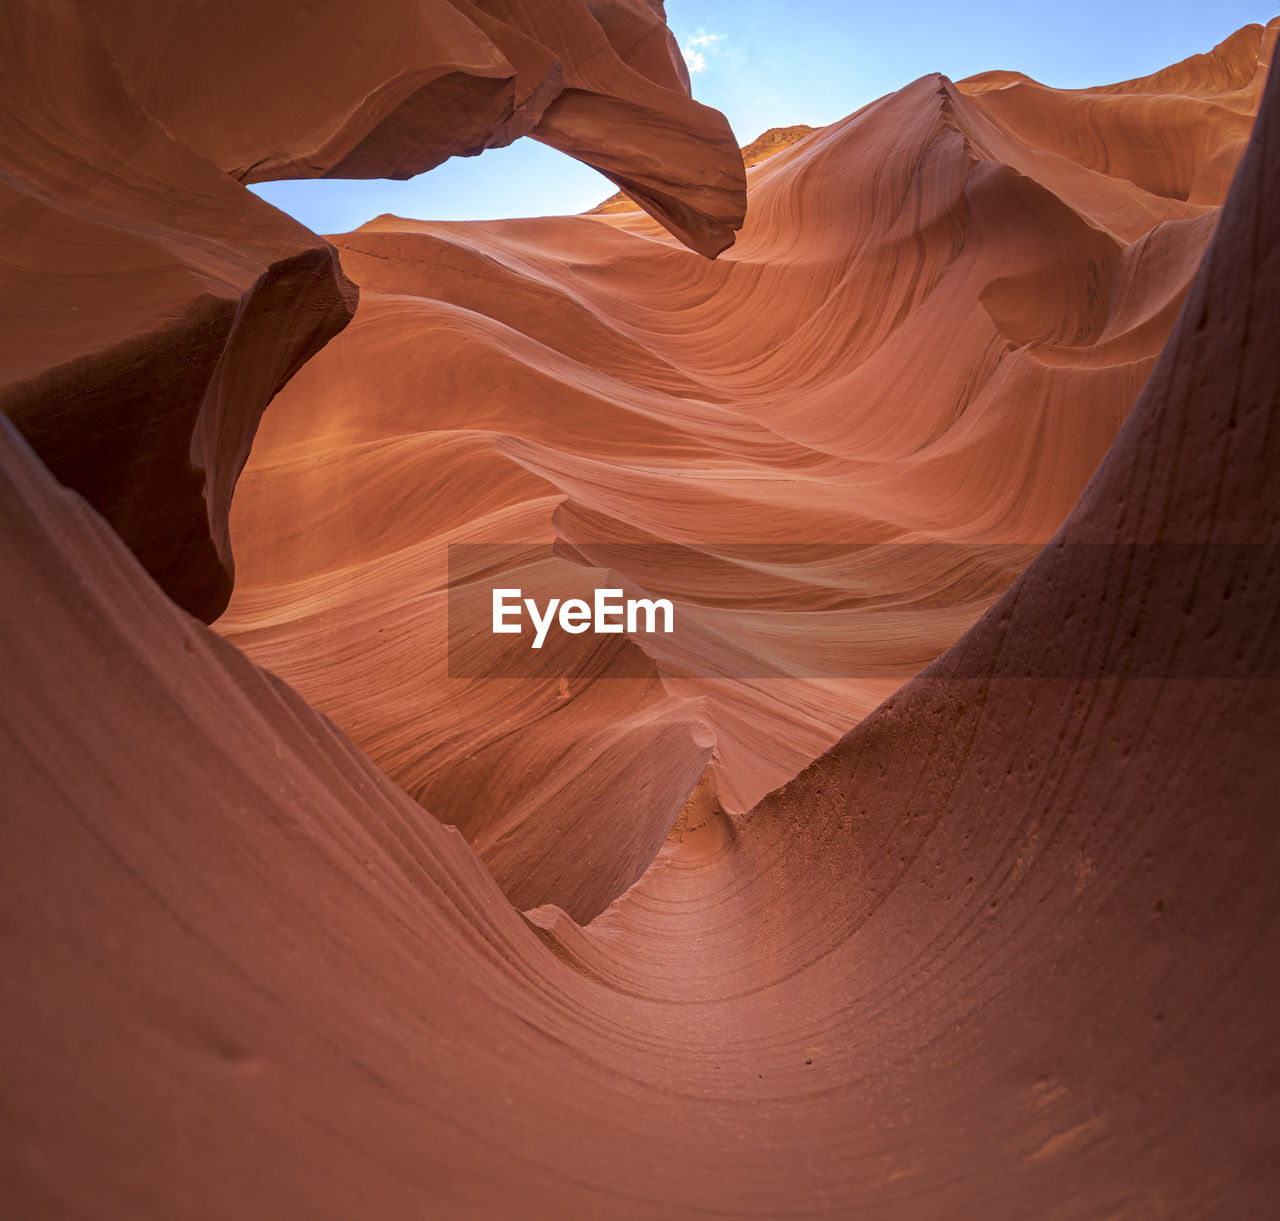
(152, 306)
(289, 91)
(1006, 950)
(760, 149)
(892, 390)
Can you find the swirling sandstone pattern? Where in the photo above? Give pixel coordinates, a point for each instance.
(288, 91)
(932, 325)
(152, 306)
(1005, 950)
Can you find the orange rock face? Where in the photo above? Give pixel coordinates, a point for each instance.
(289, 91)
(1004, 948)
(760, 149)
(152, 306)
(891, 390)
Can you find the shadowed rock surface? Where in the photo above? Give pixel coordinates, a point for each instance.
(1005, 950)
(891, 391)
(330, 90)
(152, 306)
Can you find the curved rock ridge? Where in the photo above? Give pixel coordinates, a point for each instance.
(1079, 126)
(152, 306)
(149, 306)
(760, 149)
(891, 391)
(287, 90)
(1006, 950)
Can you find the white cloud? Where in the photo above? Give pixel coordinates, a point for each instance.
(693, 57)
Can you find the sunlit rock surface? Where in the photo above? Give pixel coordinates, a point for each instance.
(1005, 949)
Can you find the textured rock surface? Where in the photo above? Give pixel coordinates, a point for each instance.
(151, 306)
(928, 333)
(760, 149)
(1006, 950)
(773, 141)
(322, 90)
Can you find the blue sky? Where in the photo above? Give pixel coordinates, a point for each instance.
(767, 63)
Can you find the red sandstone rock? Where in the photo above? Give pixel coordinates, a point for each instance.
(150, 307)
(327, 90)
(760, 149)
(926, 337)
(1006, 950)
